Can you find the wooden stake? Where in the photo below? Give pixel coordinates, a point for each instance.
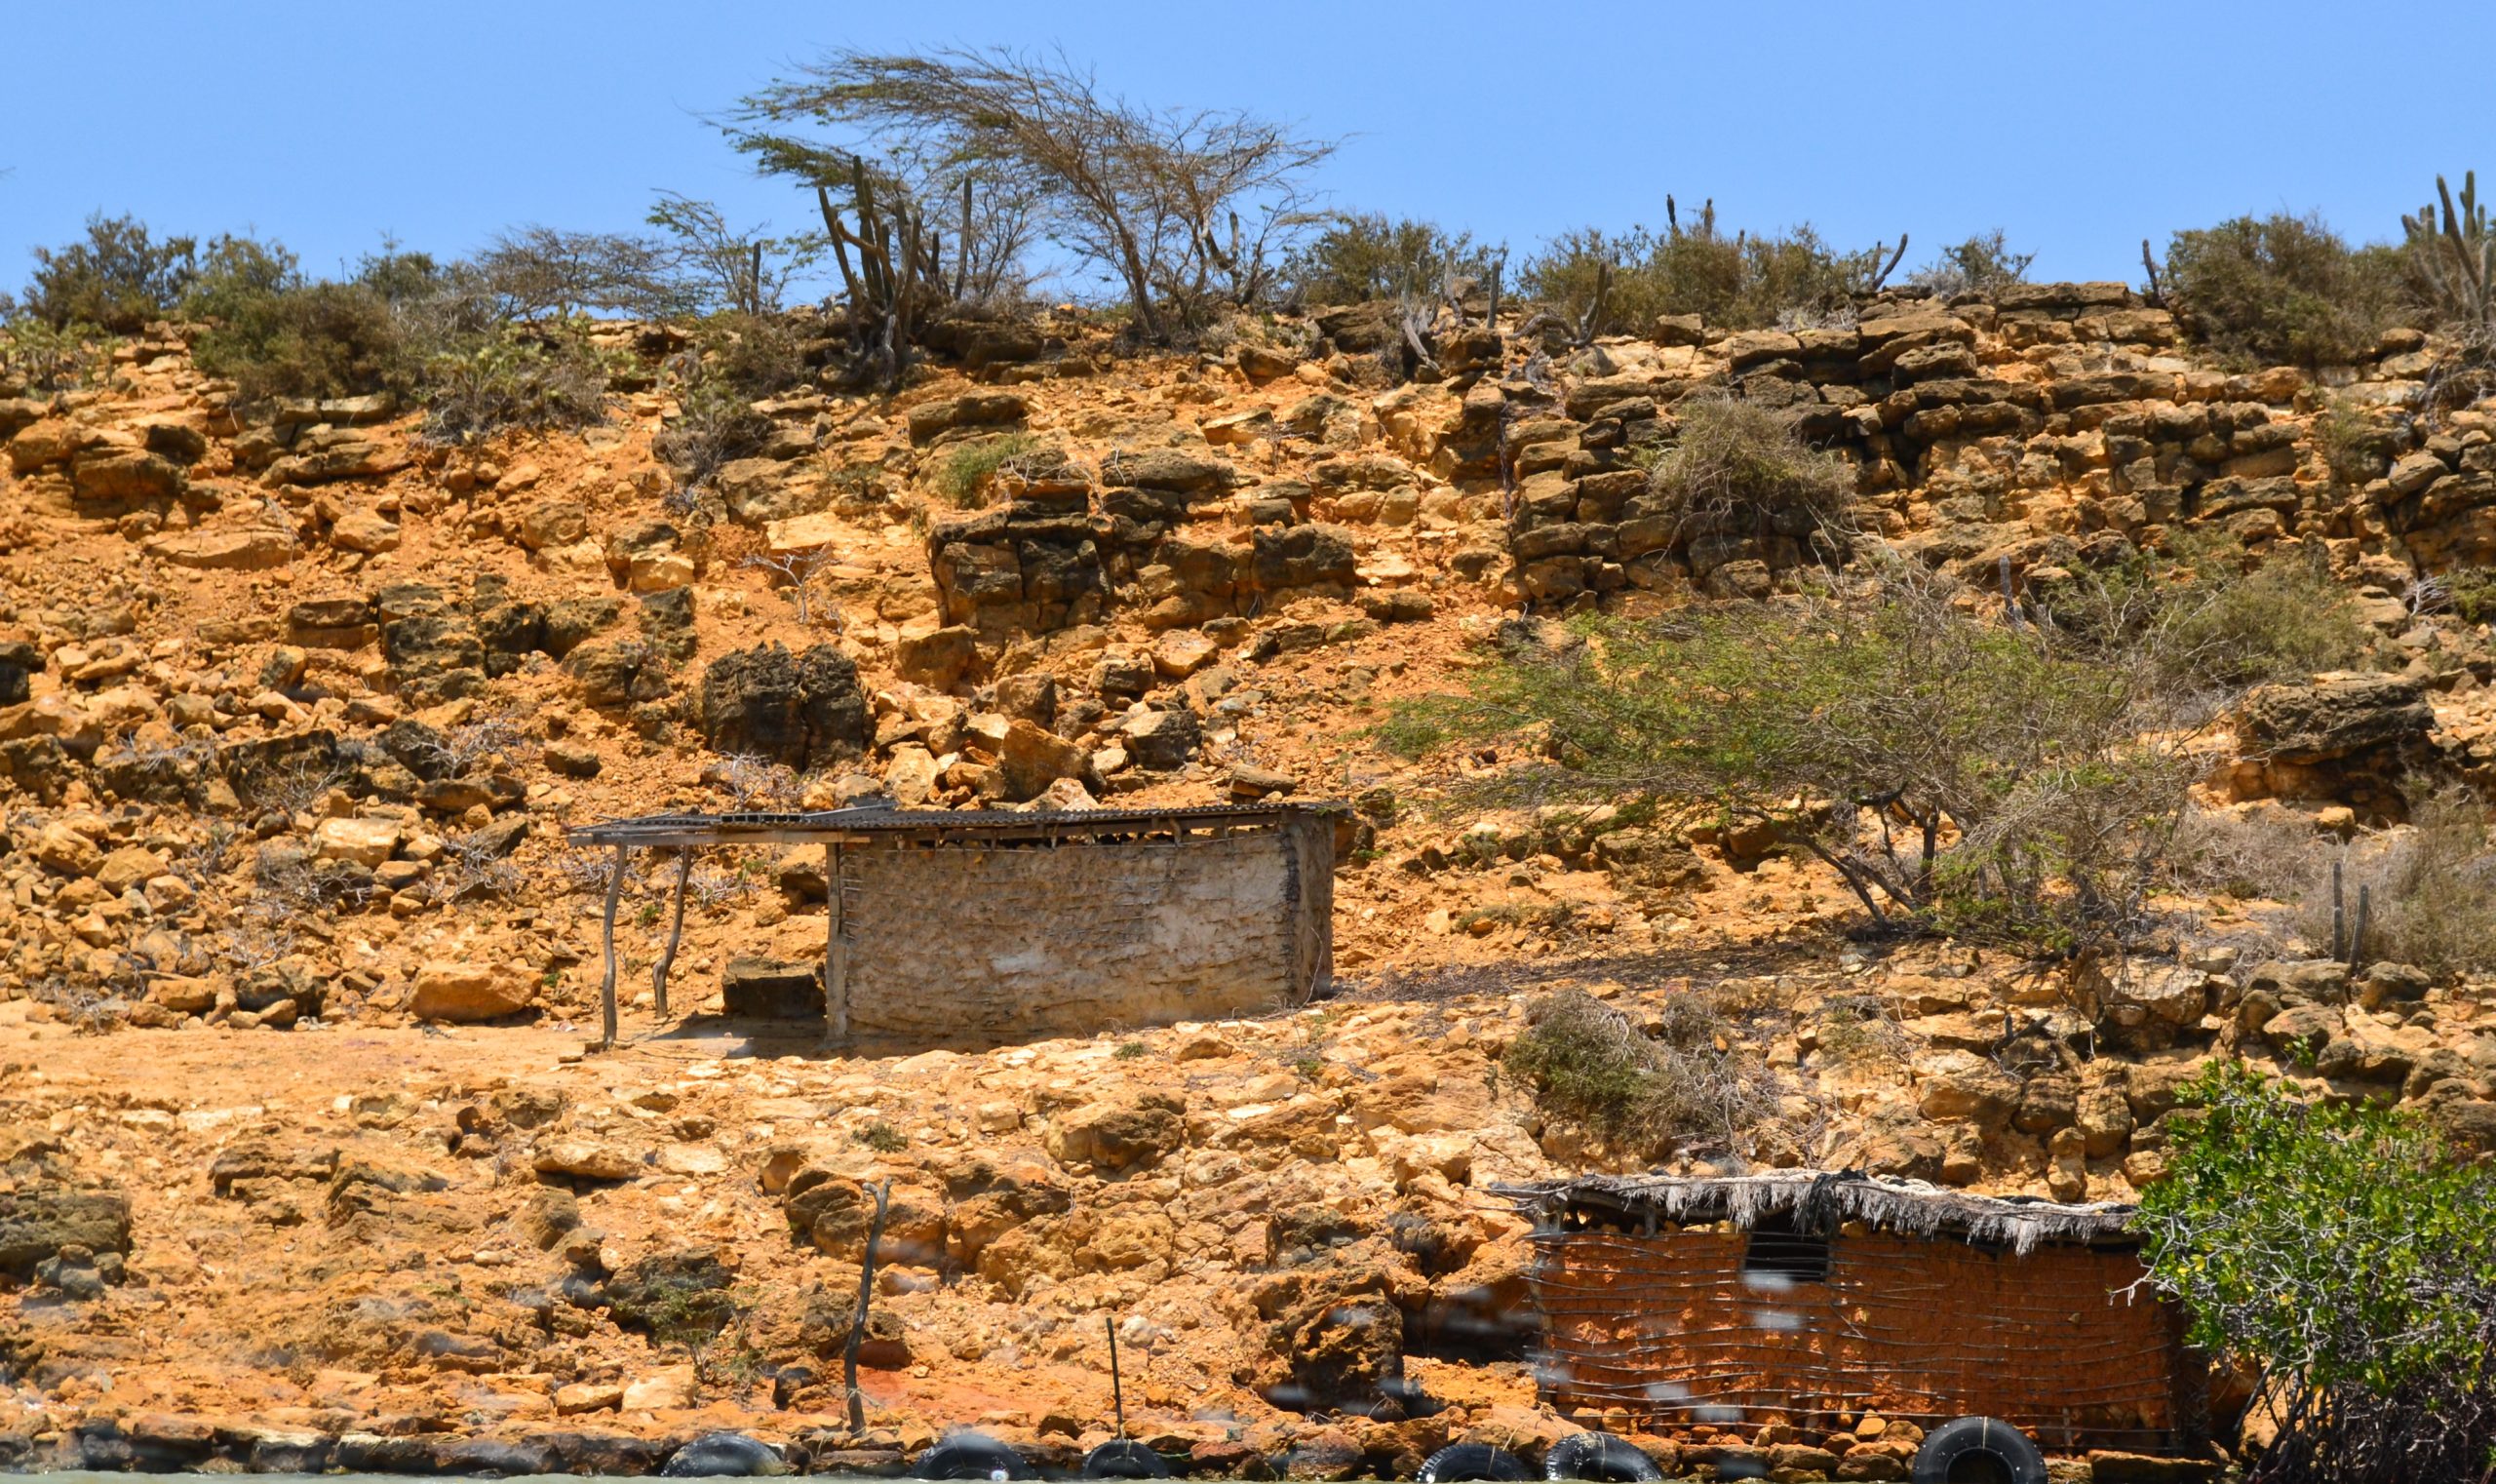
(1117, 1389)
(2357, 938)
(674, 930)
(2339, 919)
(836, 955)
(858, 1321)
(606, 939)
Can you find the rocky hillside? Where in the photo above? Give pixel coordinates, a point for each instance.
(302, 1162)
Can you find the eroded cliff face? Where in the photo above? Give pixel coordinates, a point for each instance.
(301, 1159)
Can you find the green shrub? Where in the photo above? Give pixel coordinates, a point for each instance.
(2357, 445)
(2284, 620)
(2346, 1254)
(514, 378)
(119, 279)
(962, 472)
(1588, 1066)
(38, 358)
(2285, 289)
(277, 335)
(1741, 281)
(1360, 258)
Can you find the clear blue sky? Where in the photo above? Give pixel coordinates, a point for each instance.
(2080, 128)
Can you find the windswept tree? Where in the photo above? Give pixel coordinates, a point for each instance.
(1184, 209)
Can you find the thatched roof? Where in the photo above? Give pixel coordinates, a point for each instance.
(1818, 1200)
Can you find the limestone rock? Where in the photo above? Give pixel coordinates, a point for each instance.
(1119, 1136)
(804, 710)
(367, 842)
(463, 992)
(36, 1223)
(2334, 717)
(237, 549)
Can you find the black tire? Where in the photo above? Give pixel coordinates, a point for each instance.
(722, 1456)
(1459, 1461)
(1978, 1450)
(1601, 1456)
(970, 1458)
(1124, 1459)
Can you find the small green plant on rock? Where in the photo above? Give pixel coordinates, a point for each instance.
(963, 472)
(880, 1136)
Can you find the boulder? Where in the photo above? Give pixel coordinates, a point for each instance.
(939, 658)
(1173, 470)
(1119, 1136)
(58, 848)
(978, 410)
(1032, 758)
(760, 490)
(38, 1222)
(610, 672)
(2333, 717)
(464, 992)
(1161, 741)
(367, 842)
(553, 522)
(804, 710)
(364, 530)
(1963, 1087)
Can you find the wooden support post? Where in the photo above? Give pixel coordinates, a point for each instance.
(2339, 918)
(858, 1321)
(1117, 1386)
(2358, 933)
(674, 930)
(607, 940)
(836, 955)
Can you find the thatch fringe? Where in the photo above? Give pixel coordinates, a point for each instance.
(1818, 1200)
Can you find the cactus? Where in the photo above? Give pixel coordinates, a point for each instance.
(2456, 252)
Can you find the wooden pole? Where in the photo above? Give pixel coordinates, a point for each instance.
(674, 930)
(2339, 919)
(607, 940)
(2357, 935)
(836, 955)
(1117, 1388)
(858, 1321)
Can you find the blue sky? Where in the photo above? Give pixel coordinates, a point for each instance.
(2081, 129)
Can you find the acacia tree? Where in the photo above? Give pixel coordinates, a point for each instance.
(724, 267)
(1180, 207)
(540, 270)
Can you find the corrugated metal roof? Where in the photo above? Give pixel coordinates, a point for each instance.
(827, 824)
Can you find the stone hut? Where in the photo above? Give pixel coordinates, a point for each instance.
(982, 926)
(1816, 1300)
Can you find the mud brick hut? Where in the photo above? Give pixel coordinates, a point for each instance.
(952, 927)
(1815, 1299)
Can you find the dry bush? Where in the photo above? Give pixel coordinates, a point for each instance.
(2432, 887)
(1983, 264)
(1588, 1066)
(2430, 884)
(1737, 465)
